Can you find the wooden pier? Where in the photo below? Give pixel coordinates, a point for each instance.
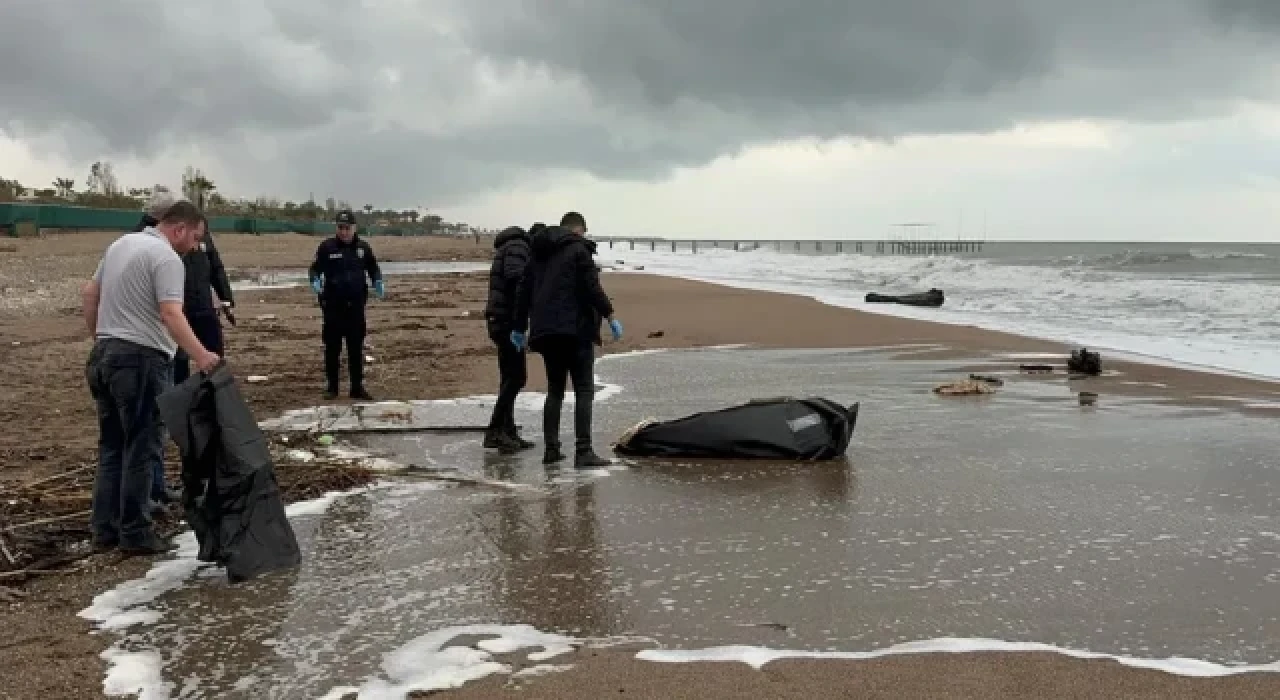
(879, 247)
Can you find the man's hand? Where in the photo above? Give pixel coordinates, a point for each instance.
(207, 361)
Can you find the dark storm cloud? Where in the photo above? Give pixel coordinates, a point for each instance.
(986, 59)
(1249, 14)
(395, 99)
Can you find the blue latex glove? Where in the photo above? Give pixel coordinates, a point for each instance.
(616, 326)
(517, 339)
(379, 289)
(315, 285)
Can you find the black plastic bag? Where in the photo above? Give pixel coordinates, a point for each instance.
(230, 494)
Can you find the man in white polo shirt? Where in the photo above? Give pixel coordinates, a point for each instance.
(133, 307)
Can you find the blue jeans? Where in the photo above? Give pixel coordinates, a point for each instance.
(159, 493)
(124, 380)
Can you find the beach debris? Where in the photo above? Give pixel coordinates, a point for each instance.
(1082, 361)
(657, 334)
(325, 440)
(778, 626)
(964, 387)
(995, 381)
(300, 455)
(369, 359)
(265, 317)
(256, 378)
(1036, 369)
(1088, 398)
(931, 299)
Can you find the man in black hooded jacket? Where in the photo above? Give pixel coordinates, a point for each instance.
(206, 277)
(510, 258)
(562, 303)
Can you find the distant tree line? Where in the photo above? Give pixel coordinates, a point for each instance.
(102, 190)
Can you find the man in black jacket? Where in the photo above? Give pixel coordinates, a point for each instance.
(206, 276)
(510, 258)
(562, 303)
(338, 278)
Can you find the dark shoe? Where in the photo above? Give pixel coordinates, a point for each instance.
(492, 440)
(153, 547)
(552, 455)
(330, 394)
(508, 445)
(361, 394)
(589, 460)
(521, 442)
(101, 546)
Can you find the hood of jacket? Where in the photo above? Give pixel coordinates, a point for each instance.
(509, 234)
(553, 238)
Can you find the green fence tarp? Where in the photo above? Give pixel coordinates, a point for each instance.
(53, 216)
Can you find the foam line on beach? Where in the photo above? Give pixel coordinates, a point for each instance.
(133, 671)
(314, 417)
(757, 657)
(426, 663)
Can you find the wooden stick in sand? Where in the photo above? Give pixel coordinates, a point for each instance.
(45, 521)
(55, 477)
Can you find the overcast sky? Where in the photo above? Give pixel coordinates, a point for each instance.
(1143, 119)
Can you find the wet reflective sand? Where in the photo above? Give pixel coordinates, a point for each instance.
(1130, 528)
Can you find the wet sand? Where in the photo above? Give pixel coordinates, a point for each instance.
(416, 358)
(1137, 528)
(609, 673)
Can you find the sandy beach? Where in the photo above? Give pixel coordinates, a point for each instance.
(427, 340)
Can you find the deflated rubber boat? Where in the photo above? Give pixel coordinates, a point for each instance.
(932, 298)
(775, 429)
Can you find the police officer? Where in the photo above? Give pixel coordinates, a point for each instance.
(338, 277)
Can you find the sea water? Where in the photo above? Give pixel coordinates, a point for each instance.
(1210, 306)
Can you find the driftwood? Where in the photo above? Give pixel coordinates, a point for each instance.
(55, 477)
(23, 573)
(389, 429)
(964, 387)
(45, 521)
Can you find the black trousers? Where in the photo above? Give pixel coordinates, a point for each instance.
(343, 322)
(568, 358)
(512, 373)
(204, 323)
